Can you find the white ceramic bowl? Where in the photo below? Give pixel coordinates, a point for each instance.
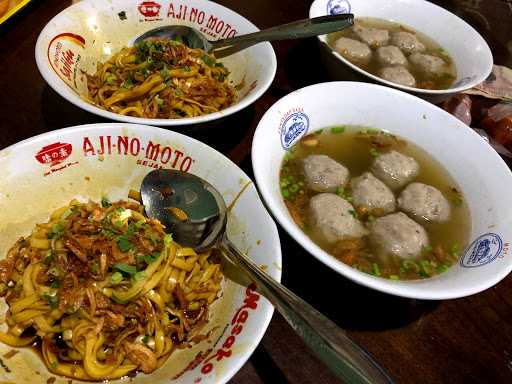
(90, 31)
(471, 54)
(87, 162)
(482, 175)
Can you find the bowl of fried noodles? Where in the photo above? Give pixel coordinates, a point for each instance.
(87, 54)
(91, 289)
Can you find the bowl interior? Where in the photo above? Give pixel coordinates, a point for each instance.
(471, 54)
(473, 164)
(88, 162)
(89, 32)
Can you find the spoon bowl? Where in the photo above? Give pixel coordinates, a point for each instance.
(167, 193)
(195, 213)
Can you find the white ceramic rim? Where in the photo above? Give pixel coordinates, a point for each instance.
(477, 80)
(379, 284)
(265, 314)
(47, 75)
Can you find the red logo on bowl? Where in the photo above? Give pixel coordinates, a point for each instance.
(54, 153)
(149, 8)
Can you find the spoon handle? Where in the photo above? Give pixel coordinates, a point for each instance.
(329, 342)
(295, 30)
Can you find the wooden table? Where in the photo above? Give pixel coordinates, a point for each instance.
(458, 341)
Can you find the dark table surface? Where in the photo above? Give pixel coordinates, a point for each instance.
(467, 340)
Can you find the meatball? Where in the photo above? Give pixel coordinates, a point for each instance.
(398, 235)
(373, 194)
(333, 218)
(407, 42)
(353, 50)
(391, 55)
(429, 64)
(395, 169)
(374, 37)
(424, 203)
(323, 174)
(398, 75)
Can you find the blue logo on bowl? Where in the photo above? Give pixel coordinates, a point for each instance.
(483, 250)
(293, 127)
(337, 7)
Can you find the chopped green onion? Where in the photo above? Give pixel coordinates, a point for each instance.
(394, 277)
(67, 213)
(371, 218)
(48, 257)
(353, 213)
(126, 268)
(139, 276)
(110, 79)
(428, 249)
(95, 268)
(370, 131)
(455, 250)
(167, 239)
(294, 188)
(340, 129)
(56, 231)
(148, 259)
(128, 83)
(124, 244)
(409, 264)
(374, 152)
(140, 224)
(116, 278)
(154, 237)
(285, 193)
(55, 284)
(375, 269)
(53, 301)
(145, 339)
(105, 203)
(208, 60)
(425, 268)
(442, 268)
(165, 73)
(159, 101)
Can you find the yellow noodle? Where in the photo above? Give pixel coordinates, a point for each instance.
(126, 82)
(82, 306)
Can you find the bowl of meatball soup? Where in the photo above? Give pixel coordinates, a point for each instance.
(386, 189)
(412, 45)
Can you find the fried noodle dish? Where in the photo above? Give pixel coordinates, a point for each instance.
(161, 79)
(104, 292)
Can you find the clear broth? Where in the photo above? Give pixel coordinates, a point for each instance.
(425, 81)
(356, 152)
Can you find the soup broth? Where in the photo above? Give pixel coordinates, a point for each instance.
(443, 79)
(356, 148)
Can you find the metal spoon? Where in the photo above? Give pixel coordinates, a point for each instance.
(205, 227)
(295, 30)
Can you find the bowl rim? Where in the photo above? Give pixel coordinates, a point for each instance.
(53, 81)
(477, 80)
(396, 288)
(265, 314)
